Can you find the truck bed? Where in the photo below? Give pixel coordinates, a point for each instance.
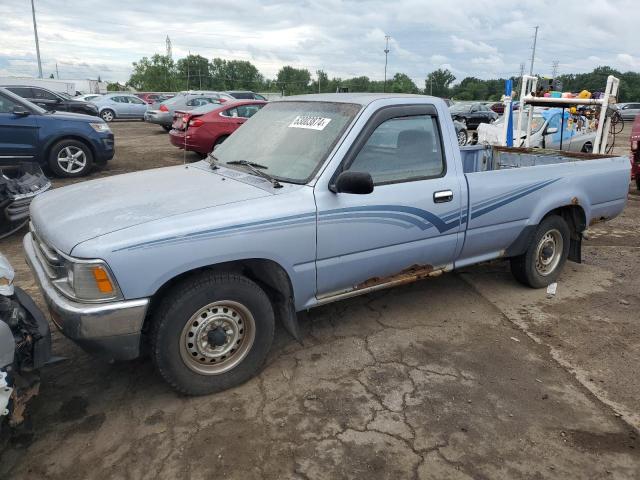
(506, 196)
(482, 158)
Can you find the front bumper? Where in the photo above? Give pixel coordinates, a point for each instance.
(109, 330)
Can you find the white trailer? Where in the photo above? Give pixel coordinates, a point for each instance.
(89, 86)
(63, 86)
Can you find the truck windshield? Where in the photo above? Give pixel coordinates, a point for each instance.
(289, 139)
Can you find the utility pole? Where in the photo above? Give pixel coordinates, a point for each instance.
(386, 54)
(168, 43)
(519, 84)
(554, 69)
(35, 32)
(57, 74)
(533, 50)
(431, 86)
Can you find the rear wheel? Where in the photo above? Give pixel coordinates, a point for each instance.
(70, 158)
(211, 333)
(546, 254)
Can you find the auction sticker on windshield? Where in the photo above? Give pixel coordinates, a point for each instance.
(309, 122)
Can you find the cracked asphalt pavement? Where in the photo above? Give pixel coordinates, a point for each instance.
(464, 376)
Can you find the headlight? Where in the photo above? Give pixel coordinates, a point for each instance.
(100, 127)
(89, 280)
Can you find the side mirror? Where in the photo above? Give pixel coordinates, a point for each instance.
(358, 183)
(551, 130)
(20, 111)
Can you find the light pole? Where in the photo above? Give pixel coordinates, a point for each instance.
(35, 32)
(386, 54)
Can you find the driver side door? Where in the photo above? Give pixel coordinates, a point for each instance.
(18, 133)
(408, 224)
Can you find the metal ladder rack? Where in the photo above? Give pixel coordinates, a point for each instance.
(530, 83)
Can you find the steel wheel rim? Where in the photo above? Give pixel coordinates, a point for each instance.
(72, 159)
(549, 252)
(239, 328)
(107, 116)
(462, 138)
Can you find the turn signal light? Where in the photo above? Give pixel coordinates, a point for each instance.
(102, 280)
(196, 123)
(163, 108)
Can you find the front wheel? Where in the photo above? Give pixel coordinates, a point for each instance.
(108, 115)
(166, 128)
(70, 158)
(546, 254)
(211, 333)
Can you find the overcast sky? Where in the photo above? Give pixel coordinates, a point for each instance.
(482, 38)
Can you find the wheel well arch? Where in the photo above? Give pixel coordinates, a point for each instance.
(111, 109)
(78, 138)
(268, 274)
(576, 219)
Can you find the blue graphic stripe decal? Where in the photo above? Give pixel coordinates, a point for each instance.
(477, 213)
(398, 215)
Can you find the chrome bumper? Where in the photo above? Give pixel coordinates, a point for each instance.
(111, 330)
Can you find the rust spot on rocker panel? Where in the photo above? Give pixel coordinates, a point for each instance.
(408, 275)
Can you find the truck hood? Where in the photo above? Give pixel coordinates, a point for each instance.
(67, 216)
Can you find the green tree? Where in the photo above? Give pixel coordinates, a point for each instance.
(155, 74)
(438, 83)
(193, 73)
(115, 87)
(401, 83)
(293, 81)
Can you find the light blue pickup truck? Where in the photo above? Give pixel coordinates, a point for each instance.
(315, 199)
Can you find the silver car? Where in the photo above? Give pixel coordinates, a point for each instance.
(162, 113)
(629, 110)
(120, 105)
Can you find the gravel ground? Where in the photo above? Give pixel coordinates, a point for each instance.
(468, 375)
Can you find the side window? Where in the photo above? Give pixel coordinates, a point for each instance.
(24, 92)
(247, 111)
(117, 99)
(40, 94)
(232, 112)
(135, 100)
(402, 149)
(7, 105)
(474, 109)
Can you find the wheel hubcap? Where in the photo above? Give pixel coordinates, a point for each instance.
(549, 252)
(72, 159)
(107, 116)
(217, 337)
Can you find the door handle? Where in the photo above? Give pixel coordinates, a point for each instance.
(442, 196)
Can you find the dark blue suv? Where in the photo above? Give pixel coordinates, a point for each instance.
(70, 144)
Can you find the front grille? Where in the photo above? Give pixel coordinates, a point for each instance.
(50, 260)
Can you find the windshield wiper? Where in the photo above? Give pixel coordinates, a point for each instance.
(257, 169)
(213, 161)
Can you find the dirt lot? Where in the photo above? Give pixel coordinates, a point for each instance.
(468, 375)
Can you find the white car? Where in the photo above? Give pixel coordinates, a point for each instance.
(545, 131)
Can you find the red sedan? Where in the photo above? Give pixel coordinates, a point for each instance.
(201, 129)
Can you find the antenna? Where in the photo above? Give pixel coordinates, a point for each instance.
(554, 69)
(533, 50)
(386, 55)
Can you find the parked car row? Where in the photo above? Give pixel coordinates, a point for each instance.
(69, 144)
(50, 100)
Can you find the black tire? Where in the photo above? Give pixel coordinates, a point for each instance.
(219, 141)
(463, 138)
(108, 115)
(638, 181)
(524, 267)
(166, 129)
(78, 167)
(180, 310)
(587, 148)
